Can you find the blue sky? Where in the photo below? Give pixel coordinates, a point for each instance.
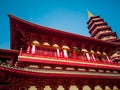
(66, 15)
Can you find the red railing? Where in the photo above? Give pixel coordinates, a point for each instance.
(52, 55)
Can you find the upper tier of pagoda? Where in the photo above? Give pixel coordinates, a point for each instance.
(100, 29)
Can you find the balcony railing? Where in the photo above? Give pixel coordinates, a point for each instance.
(84, 57)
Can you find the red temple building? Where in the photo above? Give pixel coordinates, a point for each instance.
(43, 58)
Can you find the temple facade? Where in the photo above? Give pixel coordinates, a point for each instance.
(43, 58)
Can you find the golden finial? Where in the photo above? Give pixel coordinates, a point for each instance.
(90, 14)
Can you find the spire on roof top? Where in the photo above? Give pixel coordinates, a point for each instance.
(89, 14)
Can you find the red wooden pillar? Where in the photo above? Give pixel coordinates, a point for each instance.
(28, 49)
(74, 55)
(61, 54)
(65, 54)
(93, 58)
(58, 53)
(84, 56)
(87, 56)
(33, 49)
(20, 51)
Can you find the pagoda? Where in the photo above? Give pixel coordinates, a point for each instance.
(99, 29)
(43, 58)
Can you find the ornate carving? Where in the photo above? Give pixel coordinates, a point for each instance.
(66, 87)
(40, 84)
(66, 84)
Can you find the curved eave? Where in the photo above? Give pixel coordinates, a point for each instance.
(117, 40)
(107, 34)
(94, 21)
(97, 25)
(92, 18)
(18, 72)
(99, 29)
(9, 52)
(63, 34)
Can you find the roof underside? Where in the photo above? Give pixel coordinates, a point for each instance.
(14, 21)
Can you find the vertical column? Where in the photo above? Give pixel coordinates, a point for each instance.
(65, 53)
(58, 52)
(85, 55)
(93, 57)
(20, 51)
(61, 54)
(28, 49)
(88, 56)
(33, 49)
(74, 55)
